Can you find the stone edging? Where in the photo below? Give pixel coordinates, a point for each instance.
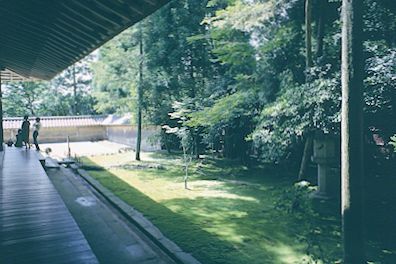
(137, 218)
(2, 153)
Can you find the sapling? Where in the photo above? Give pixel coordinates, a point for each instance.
(186, 141)
(187, 144)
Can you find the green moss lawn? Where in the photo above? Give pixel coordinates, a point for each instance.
(231, 214)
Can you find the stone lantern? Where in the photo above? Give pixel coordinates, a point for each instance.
(326, 154)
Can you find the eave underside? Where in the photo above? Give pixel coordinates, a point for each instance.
(10, 76)
(39, 39)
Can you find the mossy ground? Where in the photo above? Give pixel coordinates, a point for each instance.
(229, 214)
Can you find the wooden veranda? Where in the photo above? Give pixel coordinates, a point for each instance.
(39, 39)
(36, 226)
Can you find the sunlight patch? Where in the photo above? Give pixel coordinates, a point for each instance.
(214, 189)
(286, 254)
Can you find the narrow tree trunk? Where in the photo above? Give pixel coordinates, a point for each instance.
(1, 117)
(196, 144)
(186, 163)
(308, 64)
(305, 159)
(193, 95)
(139, 98)
(352, 132)
(321, 28)
(75, 90)
(167, 145)
(308, 34)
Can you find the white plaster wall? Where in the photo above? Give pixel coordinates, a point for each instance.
(127, 135)
(123, 134)
(60, 134)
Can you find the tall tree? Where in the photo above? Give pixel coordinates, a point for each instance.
(308, 64)
(1, 115)
(140, 94)
(321, 17)
(75, 96)
(308, 37)
(352, 131)
(76, 81)
(118, 61)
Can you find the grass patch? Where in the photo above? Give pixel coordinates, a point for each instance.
(230, 215)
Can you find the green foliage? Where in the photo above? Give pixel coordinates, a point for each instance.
(24, 98)
(242, 15)
(296, 200)
(393, 142)
(380, 87)
(296, 203)
(223, 110)
(67, 94)
(72, 91)
(297, 109)
(184, 131)
(241, 65)
(116, 74)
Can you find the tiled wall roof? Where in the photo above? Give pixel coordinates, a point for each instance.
(69, 121)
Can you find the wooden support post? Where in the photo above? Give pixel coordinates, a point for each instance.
(1, 117)
(352, 132)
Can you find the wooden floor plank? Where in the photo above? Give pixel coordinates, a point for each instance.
(36, 226)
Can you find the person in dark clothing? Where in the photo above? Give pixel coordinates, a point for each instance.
(25, 131)
(18, 142)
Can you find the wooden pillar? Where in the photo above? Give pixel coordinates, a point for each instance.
(1, 117)
(352, 132)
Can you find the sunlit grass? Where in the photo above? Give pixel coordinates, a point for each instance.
(227, 216)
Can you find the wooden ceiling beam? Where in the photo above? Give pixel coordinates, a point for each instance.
(41, 38)
(115, 8)
(68, 29)
(98, 13)
(88, 22)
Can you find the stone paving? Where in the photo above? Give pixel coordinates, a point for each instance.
(111, 237)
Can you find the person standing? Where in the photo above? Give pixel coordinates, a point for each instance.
(36, 129)
(18, 142)
(25, 131)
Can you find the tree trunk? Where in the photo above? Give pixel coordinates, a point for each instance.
(308, 34)
(352, 132)
(196, 144)
(1, 118)
(167, 145)
(308, 64)
(305, 159)
(193, 95)
(75, 90)
(139, 98)
(321, 27)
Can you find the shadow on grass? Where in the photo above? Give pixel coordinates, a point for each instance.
(213, 229)
(380, 212)
(229, 230)
(165, 155)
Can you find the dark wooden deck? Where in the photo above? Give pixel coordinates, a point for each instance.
(36, 226)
